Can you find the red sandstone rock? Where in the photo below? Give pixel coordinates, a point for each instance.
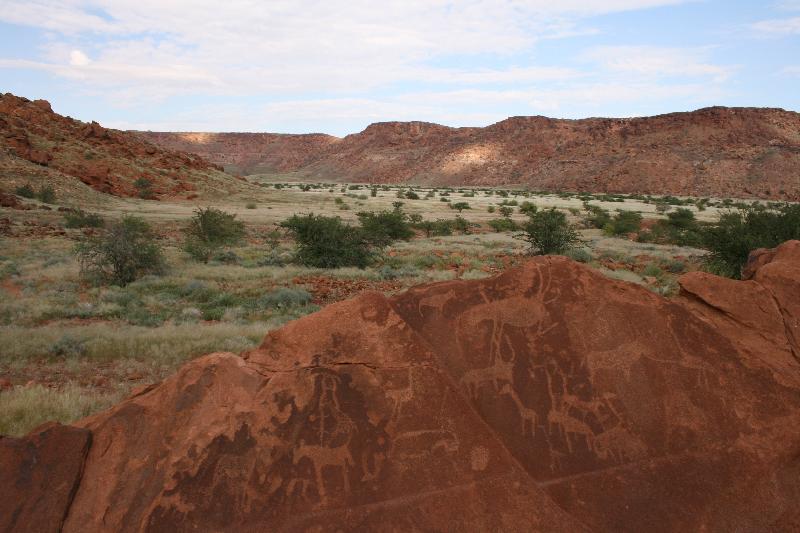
(548, 398)
(39, 476)
(113, 161)
(714, 151)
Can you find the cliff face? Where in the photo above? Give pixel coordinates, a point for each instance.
(107, 160)
(730, 152)
(548, 398)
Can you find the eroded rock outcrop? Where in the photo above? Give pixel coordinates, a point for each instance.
(109, 161)
(548, 398)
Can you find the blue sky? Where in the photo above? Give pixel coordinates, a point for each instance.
(336, 66)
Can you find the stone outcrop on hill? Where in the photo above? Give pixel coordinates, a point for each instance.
(718, 151)
(109, 161)
(547, 398)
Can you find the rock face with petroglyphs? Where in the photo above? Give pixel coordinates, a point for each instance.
(548, 398)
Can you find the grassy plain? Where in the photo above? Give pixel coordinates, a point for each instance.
(69, 348)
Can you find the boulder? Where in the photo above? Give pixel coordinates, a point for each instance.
(547, 398)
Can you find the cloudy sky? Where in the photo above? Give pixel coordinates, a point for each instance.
(335, 66)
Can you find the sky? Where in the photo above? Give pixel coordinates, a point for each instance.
(332, 66)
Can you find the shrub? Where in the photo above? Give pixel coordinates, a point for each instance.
(548, 232)
(581, 255)
(624, 222)
(126, 252)
(26, 191)
(327, 242)
(209, 231)
(596, 216)
(383, 227)
(81, 219)
(528, 208)
(250, 205)
(285, 297)
(373, 192)
(506, 211)
(459, 206)
(46, 194)
(144, 188)
(737, 233)
(411, 195)
(490, 209)
(503, 224)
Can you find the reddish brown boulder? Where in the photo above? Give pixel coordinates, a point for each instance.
(548, 398)
(39, 476)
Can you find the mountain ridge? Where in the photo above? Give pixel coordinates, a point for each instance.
(713, 151)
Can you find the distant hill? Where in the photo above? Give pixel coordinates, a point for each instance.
(36, 142)
(717, 151)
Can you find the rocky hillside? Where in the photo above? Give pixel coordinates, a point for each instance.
(109, 161)
(548, 398)
(729, 152)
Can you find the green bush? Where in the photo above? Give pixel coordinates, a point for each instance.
(285, 297)
(739, 232)
(411, 195)
(46, 194)
(124, 253)
(506, 211)
(210, 230)
(26, 191)
(327, 242)
(624, 222)
(144, 188)
(596, 216)
(581, 255)
(81, 219)
(503, 224)
(383, 227)
(528, 208)
(459, 206)
(548, 232)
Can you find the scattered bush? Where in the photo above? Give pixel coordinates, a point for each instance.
(81, 219)
(250, 205)
(459, 206)
(126, 252)
(144, 188)
(596, 216)
(581, 255)
(624, 222)
(503, 224)
(210, 230)
(506, 211)
(285, 297)
(528, 208)
(548, 232)
(25, 191)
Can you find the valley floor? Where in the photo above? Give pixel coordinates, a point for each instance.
(70, 348)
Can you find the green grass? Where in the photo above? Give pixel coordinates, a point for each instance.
(24, 408)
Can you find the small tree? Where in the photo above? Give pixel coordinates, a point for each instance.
(739, 232)
(548, 232)
(209, 231)
(327, 242)
(459, 206)
(383, 227)
(127, 251)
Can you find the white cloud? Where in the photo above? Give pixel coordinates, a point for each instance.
(791, 70)
(246, 47)
(659, 61)
(78, 59)
(778, 27)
